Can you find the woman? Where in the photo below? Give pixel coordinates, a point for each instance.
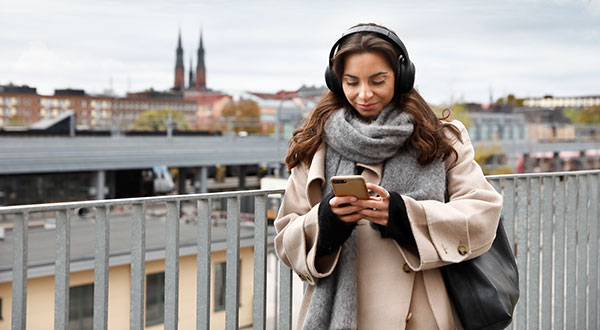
(373, 264)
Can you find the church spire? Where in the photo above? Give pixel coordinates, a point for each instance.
(200, 68)
(179, 72)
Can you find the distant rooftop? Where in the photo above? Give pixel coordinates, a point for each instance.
(10, 88)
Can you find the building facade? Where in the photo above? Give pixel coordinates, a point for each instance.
(21, 106)
(563, 102)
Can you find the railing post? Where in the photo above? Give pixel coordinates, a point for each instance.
(593, 248)
(571, 229)
(260, 262)
(285, 297)
(582, 258)
(172, 266)
(533, 218)
(522, 312)
(19, 269)
(101, 269)
(62, 270)
(232, 298)
(138, 269)
(547, 250)
(203, 264)
(559, 252)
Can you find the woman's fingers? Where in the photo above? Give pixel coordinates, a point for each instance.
(383, 194)
(340, 201)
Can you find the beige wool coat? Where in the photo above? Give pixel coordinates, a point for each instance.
(397, 288)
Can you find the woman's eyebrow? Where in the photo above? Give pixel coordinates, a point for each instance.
(377, 74)
(371, 76)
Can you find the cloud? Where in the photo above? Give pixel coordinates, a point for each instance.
(534, 46)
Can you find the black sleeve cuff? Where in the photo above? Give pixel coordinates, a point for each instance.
(398, 226)
(333, 232)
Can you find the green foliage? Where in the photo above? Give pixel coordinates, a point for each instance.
(157, 120)
(457, 111)
(243, 115)
(589, 115)
(487, 155)
(510, 99)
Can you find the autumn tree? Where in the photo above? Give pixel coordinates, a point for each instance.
(457, 111)
(242, 115)
(492, 159)
(157, 120)
(589, 115)
(510, 99)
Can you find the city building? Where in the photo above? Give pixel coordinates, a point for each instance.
(563, 102)
(289, 108)
(497, 126)
(21, 106)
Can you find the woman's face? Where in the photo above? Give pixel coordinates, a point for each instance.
(368, 82)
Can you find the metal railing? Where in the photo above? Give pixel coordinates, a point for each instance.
(138, 253)
(551, 219)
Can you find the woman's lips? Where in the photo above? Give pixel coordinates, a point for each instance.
(368, 106)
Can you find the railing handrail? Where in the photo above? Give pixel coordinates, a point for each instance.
(540, 174)
(137, 200)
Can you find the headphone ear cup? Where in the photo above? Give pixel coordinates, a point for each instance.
(332, 81)
(405, 78)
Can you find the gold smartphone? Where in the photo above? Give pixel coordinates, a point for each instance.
(350, 185)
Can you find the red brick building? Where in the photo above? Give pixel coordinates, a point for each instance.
(22, 106)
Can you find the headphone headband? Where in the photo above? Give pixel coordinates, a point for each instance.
(389, 35)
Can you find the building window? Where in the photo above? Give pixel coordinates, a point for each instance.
(81, 307)
(155, 298)
(26, 101)
(219, 285)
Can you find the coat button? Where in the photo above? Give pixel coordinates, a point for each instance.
(463, 249)
(409, 316)
(405, 268)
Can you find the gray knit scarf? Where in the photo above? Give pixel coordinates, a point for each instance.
(352, 140)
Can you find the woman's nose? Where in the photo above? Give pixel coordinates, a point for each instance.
(365, 92)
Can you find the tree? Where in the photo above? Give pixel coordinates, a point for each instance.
(457, 111)
(242, 115)
(157, 120)
(492, 160)
(589, 115)
(510, 99)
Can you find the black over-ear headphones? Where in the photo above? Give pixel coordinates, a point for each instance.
(405, 74)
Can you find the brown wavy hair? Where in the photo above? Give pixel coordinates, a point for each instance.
(428, 136)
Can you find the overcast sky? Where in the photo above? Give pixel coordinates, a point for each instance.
(461, 49)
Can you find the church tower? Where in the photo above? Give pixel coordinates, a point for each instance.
(179, 72)
(191, 82)
(200, 68)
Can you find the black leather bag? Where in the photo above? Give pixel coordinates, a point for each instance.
(485, 290)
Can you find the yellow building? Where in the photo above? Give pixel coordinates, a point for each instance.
(40, 284)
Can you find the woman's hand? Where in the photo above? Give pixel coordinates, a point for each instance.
(345, 211)
(350, 209)
(376, 208)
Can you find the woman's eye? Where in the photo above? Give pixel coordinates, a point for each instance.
(351, 83)
(379, 82)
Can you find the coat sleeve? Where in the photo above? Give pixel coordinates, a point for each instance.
(465, 226)
(297, 231)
